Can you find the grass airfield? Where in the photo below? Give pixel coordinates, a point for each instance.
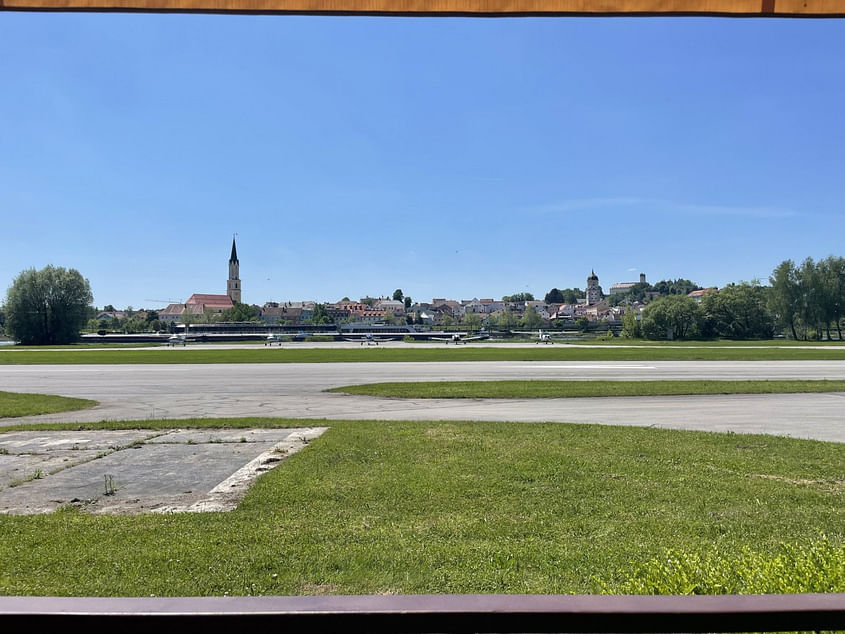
(452, 507)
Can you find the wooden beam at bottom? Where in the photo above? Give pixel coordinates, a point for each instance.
(429, 613)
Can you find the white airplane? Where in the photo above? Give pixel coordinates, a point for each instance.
(461, 337)
(366, 339)
(544, 337)
(176, 340)
(273, 338)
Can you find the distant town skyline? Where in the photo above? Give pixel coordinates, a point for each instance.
(447, 157)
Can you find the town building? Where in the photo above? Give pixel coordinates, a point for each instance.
(593, 290)
(623, 287)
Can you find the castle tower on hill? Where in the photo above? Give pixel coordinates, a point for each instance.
(233, 286)
(593, 290)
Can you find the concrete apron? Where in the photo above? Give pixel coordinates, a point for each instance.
(139, 471)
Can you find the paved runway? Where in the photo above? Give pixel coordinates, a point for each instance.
(295, 390)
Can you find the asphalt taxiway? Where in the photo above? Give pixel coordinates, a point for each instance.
(138, 392)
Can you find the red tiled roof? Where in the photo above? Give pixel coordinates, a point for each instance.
(212, 301)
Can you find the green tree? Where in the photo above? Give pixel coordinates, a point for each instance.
(398, 295)
(320, 315)
(49, 306)
(134, 325)
(471, 321)
(240, 312)
(530, 319)
(679, 286)
(152, 315)
(630, 325)
(554, 296)
(832, 279)
(506, 319)
(518, 297)
(408, 302)
(671, 317)
(785, 296)
(389, 318)
(738, 311)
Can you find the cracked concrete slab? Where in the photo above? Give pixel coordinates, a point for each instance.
(138, 471)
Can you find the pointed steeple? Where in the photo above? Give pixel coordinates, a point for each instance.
(233, 286)
(234, 256)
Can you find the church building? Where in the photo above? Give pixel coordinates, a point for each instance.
(201, 303)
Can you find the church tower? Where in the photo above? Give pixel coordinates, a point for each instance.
(233, 286)
(593, 290)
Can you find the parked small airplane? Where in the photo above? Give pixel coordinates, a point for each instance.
(176, 340)
(368, 339)
(273, 338)
(461, 337)
(544, 337)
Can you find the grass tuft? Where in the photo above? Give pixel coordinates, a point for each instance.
(573, 389)
(15, 404)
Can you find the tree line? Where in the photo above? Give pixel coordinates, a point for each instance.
(802, 302)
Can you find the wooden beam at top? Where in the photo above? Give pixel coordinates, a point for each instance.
(771, 8)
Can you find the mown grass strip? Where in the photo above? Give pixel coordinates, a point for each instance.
(576, 389)
(14, 404)
(439, 354)
(426, 507)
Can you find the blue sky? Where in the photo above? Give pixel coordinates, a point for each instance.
(447, 157)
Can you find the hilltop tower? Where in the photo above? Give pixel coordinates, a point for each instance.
(593, 290)
(233, 286)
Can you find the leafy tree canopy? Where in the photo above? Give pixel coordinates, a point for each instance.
(49, 306)
(321, 315)
(398, 295)
(240, 312)
(672, 317)
(738, 311)
(530, 318)
(679, 286)
(519, 297)
(554, 296)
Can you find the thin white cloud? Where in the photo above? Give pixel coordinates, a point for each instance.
(665, 206)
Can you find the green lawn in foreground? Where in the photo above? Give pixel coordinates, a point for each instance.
(571, 389)
(422, 507)
(442, 353)
(14, 404)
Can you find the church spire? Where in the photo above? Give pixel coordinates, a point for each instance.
(233, 285)
(234, 256)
